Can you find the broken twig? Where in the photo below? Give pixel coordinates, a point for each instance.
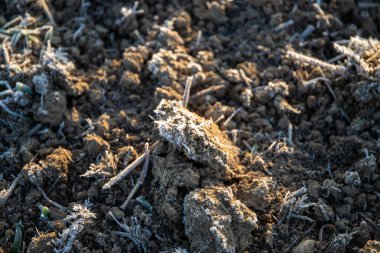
(116, 179)
(141, 178)
(5, 196)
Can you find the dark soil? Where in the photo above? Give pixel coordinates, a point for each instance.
(260, 160)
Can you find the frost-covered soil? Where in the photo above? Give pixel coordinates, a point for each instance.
(189, 126)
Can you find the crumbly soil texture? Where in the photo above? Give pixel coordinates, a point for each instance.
(262, 117)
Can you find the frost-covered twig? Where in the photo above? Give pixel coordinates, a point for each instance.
(9, 111)
(41, 83)
(283, 25)
(288, 197)
(335, 69)
(129, 12)
(308, 30)
(290, 134)
(141, 178)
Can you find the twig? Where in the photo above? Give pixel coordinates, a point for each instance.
(7, 57)
(199, 38)
(208, 90)
(186, 93)
(139, 36)
(336, 58)
(364, 5)
(225, 123)
(52, 202)
(308, 30)
(335, 69)
(219, 119)
(5, 196)
(290, 134)
(245, 78)
(283, 25)
(313, 81)
(123, 226)
(6, 84)
(6, 109)
(321, 13)
(141, 178)
(128, 169)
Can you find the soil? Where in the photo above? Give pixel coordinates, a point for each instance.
(273, 152)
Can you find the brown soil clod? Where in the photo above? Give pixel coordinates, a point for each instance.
(255, 193)
(56, 165)
(216, 221)
(54, 109)
(42, 243)
(94, 144)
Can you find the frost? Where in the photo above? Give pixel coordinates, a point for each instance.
(77, 220)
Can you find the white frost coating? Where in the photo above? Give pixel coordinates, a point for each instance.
(77, 220)
(190, 133)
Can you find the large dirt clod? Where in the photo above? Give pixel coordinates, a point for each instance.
(55, 165)
(201, 140)
(215, 221)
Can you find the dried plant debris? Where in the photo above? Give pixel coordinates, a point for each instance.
(77, 220)
(200, 139)
(294, 205)
(138, 235)
(215, 221)
(361, 61)
(105, 166)
(339, 243)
